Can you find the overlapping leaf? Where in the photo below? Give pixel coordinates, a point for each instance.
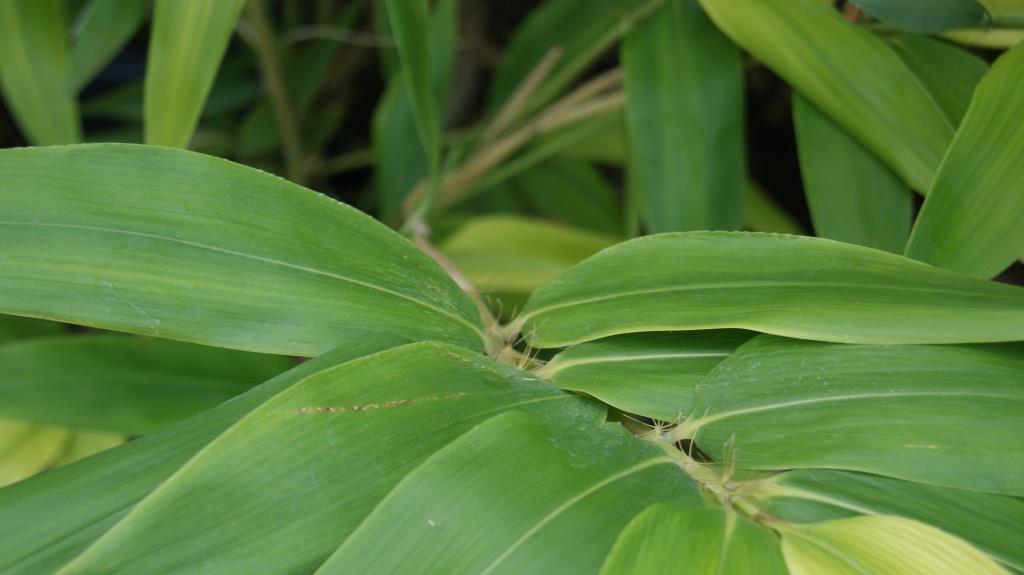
(103, 28)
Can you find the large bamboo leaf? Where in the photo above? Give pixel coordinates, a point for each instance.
(990, 522)
(787, 285)
(184, 246)
(35, 71)
(926, 16)
(853, 197)
(103, 28)
(673, 539)
(120, 383)
(650, 374)
(971, 220)
(950, 74)
(186, 45)
(849, 74)
(40, 532)
(880, 545)
(684, 116)
(942, 415)
(514, 496)
(330, 448)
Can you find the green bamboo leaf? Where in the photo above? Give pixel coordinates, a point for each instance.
(950, 74)
(853, 197)
(101, 31)
(27, 449)
(515, 254)
(684, 117)
(474, 507)
(672, 539)
(649, 374)
(787, 285)
(926, 16)
(163, 242)
(848, 74)
(990, 38)
(186, 45)
(330, 448)
(13, 328)
(35, 71)
(572, 191)
(602, 140)
(122, 384)
(99, 491)
(942, 415)
(990, 522)
(880, 545)
(970, 222)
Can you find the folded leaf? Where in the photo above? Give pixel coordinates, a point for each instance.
(183, 246)
(102, 30)
(787, 285)
(970, 222)
(942, 415)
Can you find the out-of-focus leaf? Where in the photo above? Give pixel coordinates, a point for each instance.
(605, 143)
(992, 38)
(120, 383)
(39, 533)
(684, 117)
(649, 374)
(762, 214)
(514, 254)
(166, 242)
(990, 522)
(399, 159)
(926, 16)
(787, 285)
(881, 545)
(510, 496)
(673, 539)
(103, 28)
(949, 73)
(13, 327)
(186, 45)
(849, 74)
(330, 448)
(571, 191)
(853, 197)
(35, 71)
(971, 220)
(943, 415)
(27, 449)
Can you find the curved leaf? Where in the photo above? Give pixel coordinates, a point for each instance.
(183, 246)
(970, 222)
(787, 285)
(926, 16)
(949, 73)
(511, 496)
(102, 30)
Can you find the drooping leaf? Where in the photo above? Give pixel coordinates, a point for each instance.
(926, 16)
(971, 220)
(515, 495)
(171, 243)
(950, 74)
(102, 30)
(650, 374)
(330, 448)
(848, 74)
(35, 71)
(852, 196)
(880, 545)
(942, 415)
(186, 44)
(787, 285)
(673, 539)
(39, 533)
(684, 117)
(122, 384)
(14, 328)
(514, 254)
(990, 522)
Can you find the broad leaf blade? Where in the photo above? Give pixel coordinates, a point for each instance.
(512, 496)
(649, 374)
(186, 45)
(175, 244)
(787, 285)
(684, 117)
(942, 415)
(330, 448)
(122, 384)
(971, 220)
(853, 197)
(102, 30)
(667, 539)
(35, 71)
(849, 74)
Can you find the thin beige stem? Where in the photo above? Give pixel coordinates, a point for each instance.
(513, 108)
(604, 82)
